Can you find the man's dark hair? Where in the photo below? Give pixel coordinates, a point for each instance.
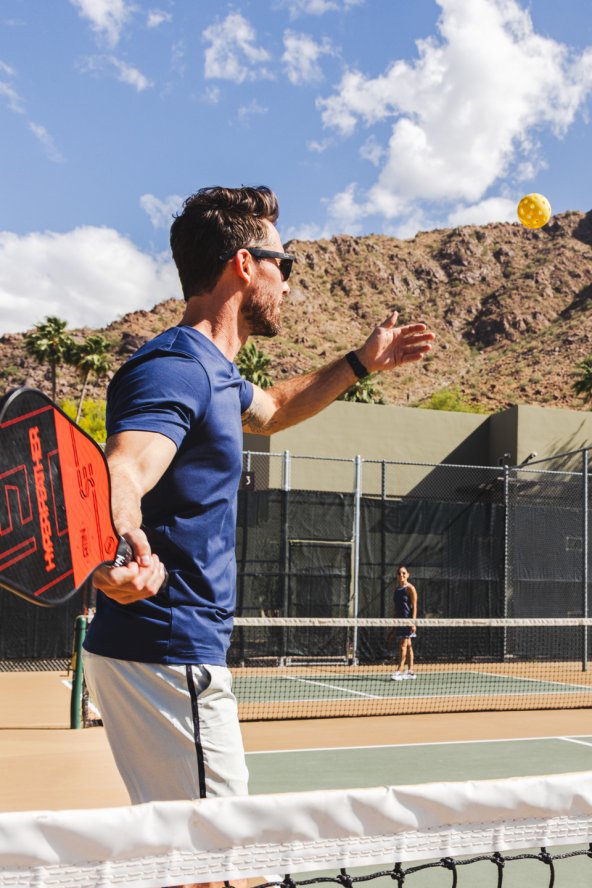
(215, 221)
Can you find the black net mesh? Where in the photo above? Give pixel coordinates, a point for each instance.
(541, 868)
(287, 668)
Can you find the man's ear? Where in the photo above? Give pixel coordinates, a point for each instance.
(242, 265)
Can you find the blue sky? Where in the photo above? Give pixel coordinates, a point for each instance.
(365, 116)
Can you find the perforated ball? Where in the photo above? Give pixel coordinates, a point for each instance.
(534, 211)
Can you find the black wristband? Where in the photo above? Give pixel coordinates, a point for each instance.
(356, 365)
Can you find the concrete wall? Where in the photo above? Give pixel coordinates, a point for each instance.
(406, 434)
(548, 431)
(380, 432)
(375, 432)
(502, 430)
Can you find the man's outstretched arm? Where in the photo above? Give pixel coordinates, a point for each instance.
(137, 460)
(294, 400)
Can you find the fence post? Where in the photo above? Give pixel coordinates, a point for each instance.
(286, 486)
(585, 559)
(76, 695)
(241, 566)
(506, 577)
(356, 544)
(245, 539)
(383, 578)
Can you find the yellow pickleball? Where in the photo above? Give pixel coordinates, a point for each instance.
(534, 211)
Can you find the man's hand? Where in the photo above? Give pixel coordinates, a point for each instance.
(137, 461)
(389, 346)
(141, 578)
(293, 400)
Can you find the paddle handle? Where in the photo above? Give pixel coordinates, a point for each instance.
(125, 554)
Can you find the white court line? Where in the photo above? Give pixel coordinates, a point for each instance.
(574, 740)
(428, 695)
(392, 696)
(322, 684)
(568, 687)
(547, 681)
(433, 692)
(419, 743)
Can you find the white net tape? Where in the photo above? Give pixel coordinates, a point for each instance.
(171, 843)
(425, 622)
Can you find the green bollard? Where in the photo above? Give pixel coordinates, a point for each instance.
(77, 676)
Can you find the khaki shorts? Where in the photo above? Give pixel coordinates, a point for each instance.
(173, 730)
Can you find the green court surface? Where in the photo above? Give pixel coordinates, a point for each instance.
(298, 770)
(339, 686)
(353, 767)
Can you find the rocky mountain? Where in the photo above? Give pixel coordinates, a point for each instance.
(512, 310)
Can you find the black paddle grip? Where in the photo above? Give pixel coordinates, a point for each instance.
(125, 554)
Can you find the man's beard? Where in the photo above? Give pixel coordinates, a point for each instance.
(262, 313)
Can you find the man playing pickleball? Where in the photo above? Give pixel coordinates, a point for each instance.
(155, 657)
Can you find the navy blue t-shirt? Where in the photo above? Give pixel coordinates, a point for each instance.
(181, 385)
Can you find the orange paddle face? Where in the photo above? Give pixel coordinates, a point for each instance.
(55, 515)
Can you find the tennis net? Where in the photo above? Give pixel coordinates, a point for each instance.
(295, 667)
(391, 833)
(291, 667)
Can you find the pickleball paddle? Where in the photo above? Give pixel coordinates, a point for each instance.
(56, 525)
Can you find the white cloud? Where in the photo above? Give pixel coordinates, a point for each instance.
(106, 17)
(161, 211)
(47, 141)
(308, 231)
(178, 56)
(371, 150)
(211, 95)
(298, 8)
(156, 18)
(16, 104)
(493, 209)
(13, 99)
(88, 276)
(301, 57)
(232, 53)
(464, 112)
(123, 72)
(319, 147)
(416, 220)
(344, 212)
(254, 108)
(130, 75)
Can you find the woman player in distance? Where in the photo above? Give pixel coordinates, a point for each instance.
(405, 607)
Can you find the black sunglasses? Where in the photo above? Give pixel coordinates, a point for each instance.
(285, 263)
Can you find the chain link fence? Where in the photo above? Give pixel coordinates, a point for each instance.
(323, 537)
(547, 547)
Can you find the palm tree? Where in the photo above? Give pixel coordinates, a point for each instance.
(49, 343)
(90, 356)
(253, 365)
(583, 385)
